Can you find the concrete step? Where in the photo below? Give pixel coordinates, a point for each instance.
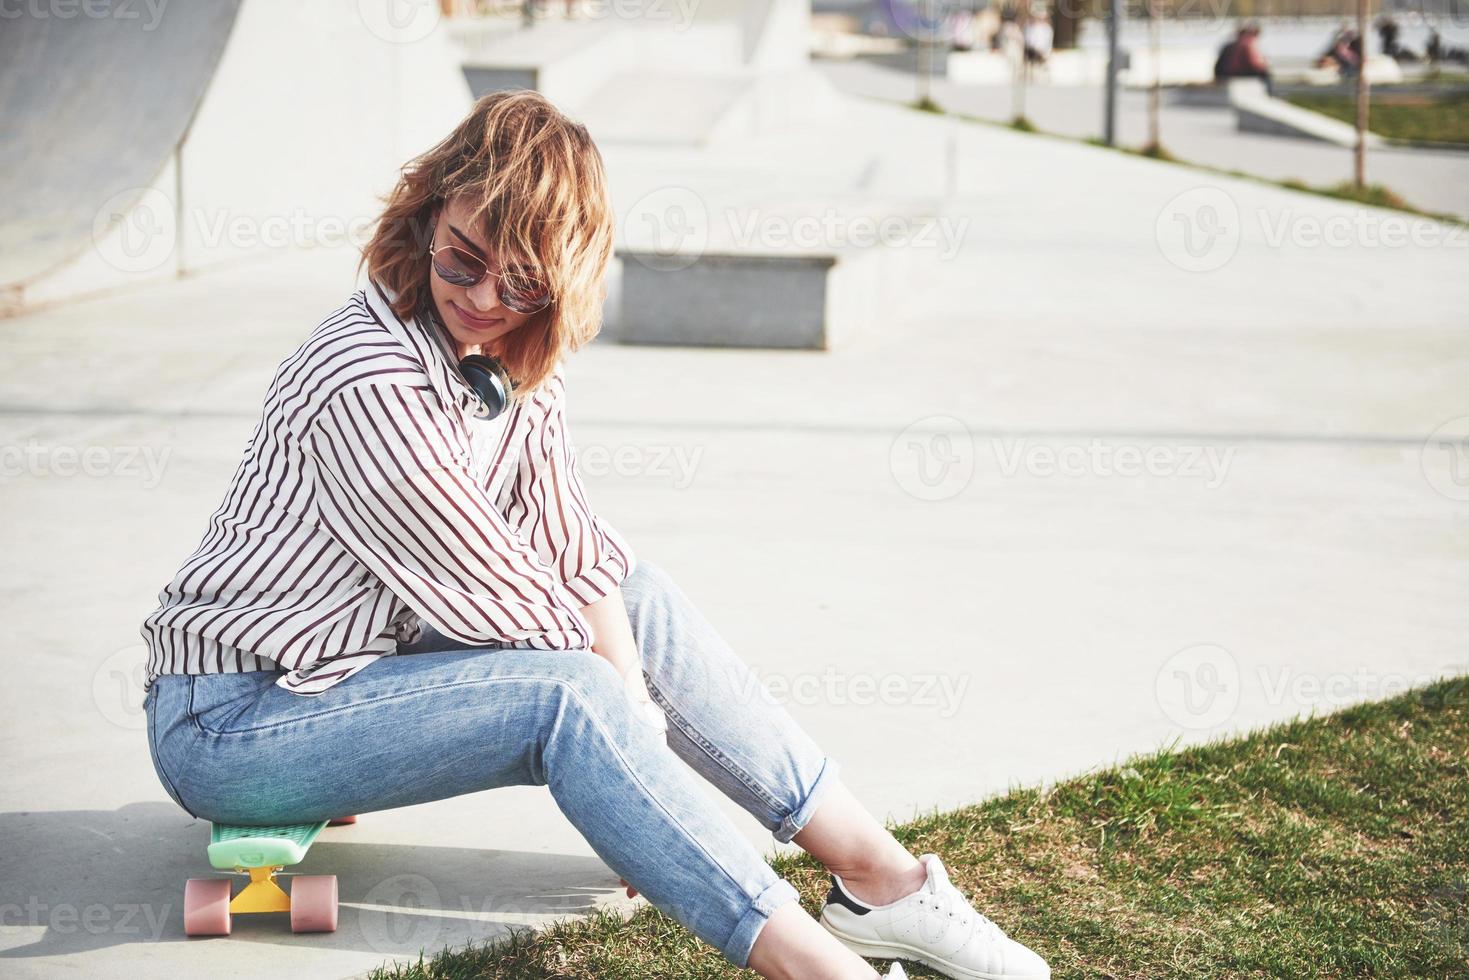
(569, 61)
(705, 109)
(664, 107)
(1256, 112)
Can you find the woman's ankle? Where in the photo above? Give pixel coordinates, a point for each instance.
(881, 886)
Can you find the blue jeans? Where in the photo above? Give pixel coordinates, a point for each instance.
(441, 719)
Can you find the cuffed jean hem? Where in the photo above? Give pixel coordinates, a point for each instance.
(802, 815)
(747, 930)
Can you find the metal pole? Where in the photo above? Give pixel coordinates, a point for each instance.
(1155, 96)
(1021, 76)
(925, 50)
(1109, 125)
(1359, 162)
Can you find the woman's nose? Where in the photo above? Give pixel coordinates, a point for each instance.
(484, 295)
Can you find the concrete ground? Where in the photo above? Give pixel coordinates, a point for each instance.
(1432, 180)
(1152, 455)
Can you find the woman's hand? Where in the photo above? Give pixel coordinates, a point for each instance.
(613, 642)
(631, 891)
(647, 709)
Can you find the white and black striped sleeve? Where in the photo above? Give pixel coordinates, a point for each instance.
(547, 502)
(396, 492)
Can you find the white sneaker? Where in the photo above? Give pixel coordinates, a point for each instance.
(936, 926)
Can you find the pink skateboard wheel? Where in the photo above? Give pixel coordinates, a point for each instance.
(314, 903)
(207, 907)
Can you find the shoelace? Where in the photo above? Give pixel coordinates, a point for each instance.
(948, 900)
(956, 904)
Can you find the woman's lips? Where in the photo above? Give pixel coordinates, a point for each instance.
(475, 322)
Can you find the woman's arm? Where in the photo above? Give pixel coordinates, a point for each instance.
(546, 501)
(394, 490)
(612, 640)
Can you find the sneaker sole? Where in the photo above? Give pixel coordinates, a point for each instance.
(892, 951)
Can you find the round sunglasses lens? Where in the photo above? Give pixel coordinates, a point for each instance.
(451, 276)
(524, 304)
(523, 293)
(459, 267)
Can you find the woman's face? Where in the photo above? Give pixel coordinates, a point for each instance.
(474, 316)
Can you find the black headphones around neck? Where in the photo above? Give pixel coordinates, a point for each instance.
(490, 381)
(482, 372)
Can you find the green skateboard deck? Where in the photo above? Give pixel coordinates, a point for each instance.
(234, 847)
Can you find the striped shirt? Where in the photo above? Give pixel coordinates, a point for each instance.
(370, 500)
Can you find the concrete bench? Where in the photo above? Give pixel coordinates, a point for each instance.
(734, 298)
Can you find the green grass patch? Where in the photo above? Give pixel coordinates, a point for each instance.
(1428, 117)
(1157, 151)
(1333, 846)
(1374, 194)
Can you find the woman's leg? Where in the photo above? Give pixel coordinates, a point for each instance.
(421, 727)
(722, 720)
(848, 840)
(725, 724)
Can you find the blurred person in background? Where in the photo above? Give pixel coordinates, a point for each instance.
(1344, 52)
(1242, 58)
(1038, 36)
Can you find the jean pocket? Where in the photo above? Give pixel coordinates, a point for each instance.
(217, 700)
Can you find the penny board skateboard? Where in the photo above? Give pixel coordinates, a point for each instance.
(262, 853)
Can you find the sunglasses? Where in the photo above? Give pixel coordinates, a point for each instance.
(518, 290)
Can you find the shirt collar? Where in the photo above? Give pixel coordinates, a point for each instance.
(425, 335)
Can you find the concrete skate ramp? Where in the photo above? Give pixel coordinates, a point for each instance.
(92, 108)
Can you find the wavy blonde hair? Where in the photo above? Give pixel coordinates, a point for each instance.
(537, 189)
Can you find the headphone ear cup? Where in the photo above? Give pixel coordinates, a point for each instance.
(489, 379)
